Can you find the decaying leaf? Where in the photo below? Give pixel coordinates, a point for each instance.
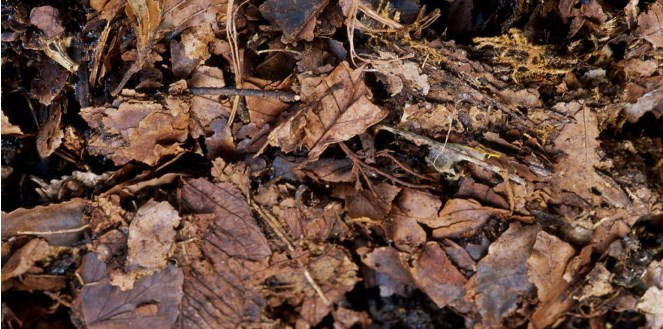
(144, 131)
(233, 253)
(292, 18)
(649, 25)
(239, 235)
(576, 171)
(60, 224)
(501, 279)
(151, 235)
(462, 218)
(374, 204)
(24, 261)
(547, 264)
(650, 304)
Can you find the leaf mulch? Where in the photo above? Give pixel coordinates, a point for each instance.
(332, 164)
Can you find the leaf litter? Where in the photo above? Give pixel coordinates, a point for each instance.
(217, 164)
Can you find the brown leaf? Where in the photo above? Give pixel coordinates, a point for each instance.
(337, 275)
(336, 109)
(575, 172)
(236, 232)
(232, 254)
(463, 218)
(138, 130)
(436, 276)
(51, 79)
(389, 261)
(366, 203)
(264, 110)
(416, 204)
(470, 189)
(406, 233)
(60, 224)
(649, 24)
(192, 50)
(502, 280)
(650, 304)
(47, 19)
(151, 236)
(24, 260)
(50, 134)
(153, 302)
(547, 265)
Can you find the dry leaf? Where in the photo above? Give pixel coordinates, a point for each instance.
(292, 17)
(649, 24)
(153, 302)
(151, 236)
(144, 131)
(502, 280)
(61, 224)
(336, 109)
(547, 265)
(576, 171)
(650, 304)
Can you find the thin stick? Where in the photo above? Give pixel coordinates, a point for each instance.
(281, 95)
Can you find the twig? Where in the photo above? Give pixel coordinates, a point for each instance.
(356, 159)
(281, 95)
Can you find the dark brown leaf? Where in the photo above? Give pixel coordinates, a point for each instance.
(292, 17)
(236, 232)
(374, 204)
(502, 281)
(60, 224)
(153, 302)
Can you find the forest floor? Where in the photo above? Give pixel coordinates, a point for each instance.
(322, 164)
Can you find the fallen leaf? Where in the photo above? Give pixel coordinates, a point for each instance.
(649, 25)
(576, 172)
(237, 234)
(151, 236)
(47, 19)
(60, 224)
(374, 204)
(336, 109)
(337, 275)
(8, 128)
(419, 205)
(650, 304)
(437, 277)
(547, 265)
(24, 261)
(103, 305)
(292, 17)
(233, 254)
(502, 281)
(463, 218)
(144, 131)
